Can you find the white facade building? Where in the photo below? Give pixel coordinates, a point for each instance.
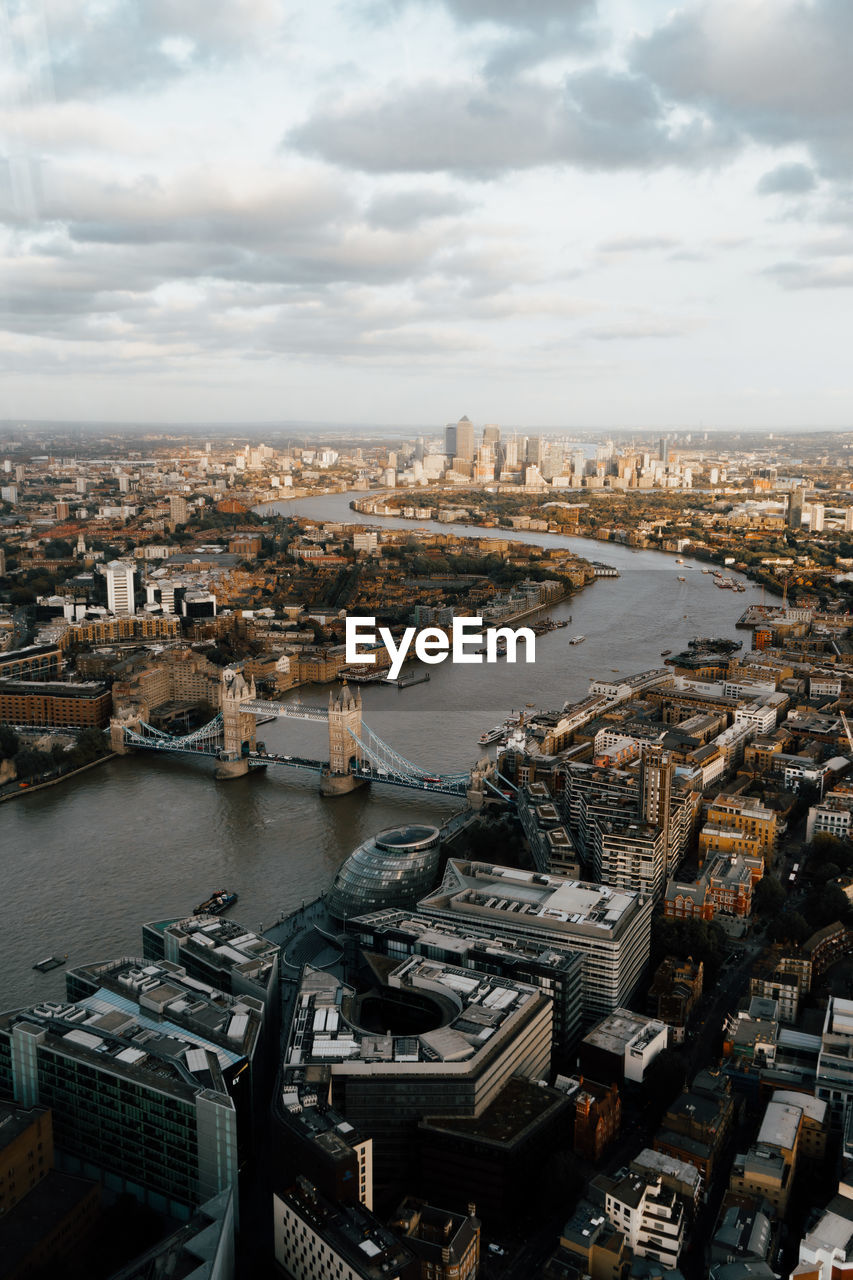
(120, 587)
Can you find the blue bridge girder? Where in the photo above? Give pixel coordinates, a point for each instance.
(373, 759)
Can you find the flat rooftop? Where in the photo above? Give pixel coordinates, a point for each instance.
(547, 902)
(472, 1008)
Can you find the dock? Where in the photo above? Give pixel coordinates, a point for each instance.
(415, 677)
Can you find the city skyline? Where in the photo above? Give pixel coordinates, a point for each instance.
(573, 216)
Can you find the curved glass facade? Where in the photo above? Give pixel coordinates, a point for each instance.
(393, 869)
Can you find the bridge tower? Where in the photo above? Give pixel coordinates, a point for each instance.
(238, 727)
(344, 715)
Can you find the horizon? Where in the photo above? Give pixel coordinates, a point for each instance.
(328, 213)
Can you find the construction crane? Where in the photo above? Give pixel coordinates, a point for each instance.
(847, 730)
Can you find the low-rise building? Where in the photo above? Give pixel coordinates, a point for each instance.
(446, 1244)
(622, 1047)
(314, 1237)
(650, 1214)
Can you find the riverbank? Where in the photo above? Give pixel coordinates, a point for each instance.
(30, 787)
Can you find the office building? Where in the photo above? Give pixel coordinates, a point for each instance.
(391, 869)
(425, 1038)
(120, 589)
(165, 996)
(796, 500)
(220, 952)
(201, 1249)
(499, 1155)
(315, 1238)
(142, 1106)
(622, 1047)
(450, 440)
(557, 972)
(610, 929)
(834, 1082)
(464, 440)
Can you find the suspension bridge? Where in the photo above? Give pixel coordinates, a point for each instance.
(357, 755)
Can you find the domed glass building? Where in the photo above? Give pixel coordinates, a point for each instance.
(392, 869)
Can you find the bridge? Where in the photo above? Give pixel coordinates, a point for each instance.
(357, 755)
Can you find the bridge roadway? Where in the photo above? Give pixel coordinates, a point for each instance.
(366, 772)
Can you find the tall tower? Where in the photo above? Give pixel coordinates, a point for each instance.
(450, 439)
(465, 439)
(657, 770)
(795, 507)
(344, 715)
(237, 726)
(120, 592)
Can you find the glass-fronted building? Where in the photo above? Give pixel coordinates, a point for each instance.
(392, 869)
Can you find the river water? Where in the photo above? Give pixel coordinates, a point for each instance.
(83, 864)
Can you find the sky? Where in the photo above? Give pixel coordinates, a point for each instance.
(553, 213)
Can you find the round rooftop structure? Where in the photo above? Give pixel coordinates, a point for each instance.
(392, 869)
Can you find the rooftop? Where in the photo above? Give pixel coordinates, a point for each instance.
(545, 902)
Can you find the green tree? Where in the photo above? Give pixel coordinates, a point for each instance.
(769, 897)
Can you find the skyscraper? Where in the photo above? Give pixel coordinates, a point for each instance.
(450, 439)
(663, 449)
(795, 507)
(465, 439)
(178, 509)
(491, 434)
(120, 591)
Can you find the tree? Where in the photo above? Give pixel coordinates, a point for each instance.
(790, 926)
(9, 742)
(769, 897)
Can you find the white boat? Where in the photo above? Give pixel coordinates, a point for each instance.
(491, 735)
(576, 639)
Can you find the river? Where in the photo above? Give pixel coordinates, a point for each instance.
(145, 837)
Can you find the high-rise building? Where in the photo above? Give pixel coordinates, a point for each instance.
(657, 773)
(136, 1099)
(120, 591)
(3, 560)
(450, 439)
(796, 500)
(491, 435)
(848, 520)
(178, 509)
(663, 449)
(535, 450)
(465, 439)
(817, 517)
(610, 928)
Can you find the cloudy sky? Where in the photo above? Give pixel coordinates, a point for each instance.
(536, 212)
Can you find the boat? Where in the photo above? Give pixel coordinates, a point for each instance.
(576, 639)
(491, 735)
(49, 962)
(664, 653)
(707, 570)
(678, 560)
(220, 900)
(681, 579)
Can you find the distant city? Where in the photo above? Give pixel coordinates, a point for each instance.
(586, 1008)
